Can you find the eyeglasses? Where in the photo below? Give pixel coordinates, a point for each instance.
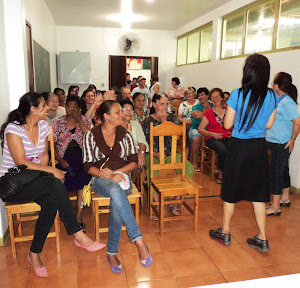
(127, 110)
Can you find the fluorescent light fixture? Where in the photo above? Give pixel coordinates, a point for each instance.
(126, 16)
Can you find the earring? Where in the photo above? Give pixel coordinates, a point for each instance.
(106, 119)
(35, 113)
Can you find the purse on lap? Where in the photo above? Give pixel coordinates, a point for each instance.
(16, 178)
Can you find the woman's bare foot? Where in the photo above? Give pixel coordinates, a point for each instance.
(83, 239)
(113, 260)
(143, 251)
(35, 260)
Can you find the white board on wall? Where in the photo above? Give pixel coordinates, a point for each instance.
(74, 67)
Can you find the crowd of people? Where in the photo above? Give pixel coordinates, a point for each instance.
(105, 136)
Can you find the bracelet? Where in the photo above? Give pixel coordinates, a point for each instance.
(293, 139)
(143, 152)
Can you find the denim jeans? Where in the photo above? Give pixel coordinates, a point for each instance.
(120, 212)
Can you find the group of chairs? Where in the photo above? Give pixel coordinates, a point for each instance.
(169, 185)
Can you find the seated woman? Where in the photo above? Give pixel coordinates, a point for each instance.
(24, 141)
(52, 102)
(160, 115)
(185, 112)
(211, 126)
(109, 155)
(176, 91)
(139, 102)
(68, 134)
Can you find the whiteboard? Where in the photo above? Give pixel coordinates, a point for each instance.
(74, 67)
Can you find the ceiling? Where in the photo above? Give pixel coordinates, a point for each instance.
(159, 14)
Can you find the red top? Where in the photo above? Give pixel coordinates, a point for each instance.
(214, 126)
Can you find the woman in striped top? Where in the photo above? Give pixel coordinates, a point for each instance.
(24, 141)
(109, 155)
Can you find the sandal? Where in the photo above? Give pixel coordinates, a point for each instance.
(219, 180)
(285, 203)
(276, 212)
(174, 210)
(82, 227)
(154, 217)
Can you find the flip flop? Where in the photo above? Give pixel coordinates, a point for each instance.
(219, 181)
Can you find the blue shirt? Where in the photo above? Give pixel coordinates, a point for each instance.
(282, 130)
(258, 129)
(196, 122)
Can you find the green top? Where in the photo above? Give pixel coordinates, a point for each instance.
(196, 122)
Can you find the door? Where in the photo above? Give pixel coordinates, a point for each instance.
(29, 57)
(117, 71)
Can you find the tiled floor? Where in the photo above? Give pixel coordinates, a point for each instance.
(182, 258)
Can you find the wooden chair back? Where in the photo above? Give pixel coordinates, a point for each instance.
(175, 131)
(175, 106)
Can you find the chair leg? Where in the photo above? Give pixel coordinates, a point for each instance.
(142, 186)
(161, 213)
(19, 224)
(56, 227)
(12, 235)
(137, 211)
(150, 201)
(212, 176)
(196, 210)
(96, 210)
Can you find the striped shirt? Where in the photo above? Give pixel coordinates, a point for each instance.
(96, 151)
(32, 153)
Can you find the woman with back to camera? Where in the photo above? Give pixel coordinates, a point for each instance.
(24, 141)
(68, 134)
(281, 138)
(109, 155)
(252, 110)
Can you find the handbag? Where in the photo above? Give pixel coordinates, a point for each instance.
(16, 178)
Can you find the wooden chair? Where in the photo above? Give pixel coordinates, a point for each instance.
(207, 158)
(100, 206)
(28, 212)
(171, 185)
(175, 106)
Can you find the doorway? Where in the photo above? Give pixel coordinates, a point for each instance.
(29, 57)
(134, 65)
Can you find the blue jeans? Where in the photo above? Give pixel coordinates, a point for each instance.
(120, 212)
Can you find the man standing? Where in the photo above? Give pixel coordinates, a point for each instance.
(142, 89)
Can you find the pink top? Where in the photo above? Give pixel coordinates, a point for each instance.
(62, 135)
(32, 153)
(176, 92)
(214, 126)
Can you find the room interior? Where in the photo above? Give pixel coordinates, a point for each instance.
(184, 258)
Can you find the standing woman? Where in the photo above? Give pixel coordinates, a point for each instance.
(109, 155)
(252, 110)
(24, 141)
(281, 138)
(68, 134)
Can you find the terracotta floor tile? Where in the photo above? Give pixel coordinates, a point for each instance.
(290, 212)
(202, 235)
(111, 286)
(59, 277)
(204, 219)
(178, 225)
(164, 283)
(239, 217)
(245, 274)
(128, 248)
(293, 222)
(135, 272)
(244, 231)
(14, 278)
(190, 262)
(276, 255)
(177, 240)
(96, 272)
(283, 269)
(201, 280)
(6, 259)
(292, 244)
(233, 257)
(278, 228)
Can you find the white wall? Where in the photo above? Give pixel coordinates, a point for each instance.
(43, 29)
(227, 74)
(102, 42)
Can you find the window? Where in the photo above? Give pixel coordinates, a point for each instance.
(233, 29)
(261, 27)
(181, 51)
(206, 44)
(193, 47)
(194, 44)
(289, 24)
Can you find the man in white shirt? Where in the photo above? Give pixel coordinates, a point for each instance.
(142, 89)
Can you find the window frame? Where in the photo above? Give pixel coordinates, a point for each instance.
(198, 29)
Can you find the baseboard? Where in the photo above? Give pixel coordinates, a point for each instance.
(3, 240)
(294, 190)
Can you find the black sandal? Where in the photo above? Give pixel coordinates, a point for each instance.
(220, 181)
(82, 227)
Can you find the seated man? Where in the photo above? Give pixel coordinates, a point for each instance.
(197, 114)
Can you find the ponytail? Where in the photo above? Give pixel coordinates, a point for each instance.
(293, 92)
(284, 82)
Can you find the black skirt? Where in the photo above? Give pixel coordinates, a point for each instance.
(246, 171)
